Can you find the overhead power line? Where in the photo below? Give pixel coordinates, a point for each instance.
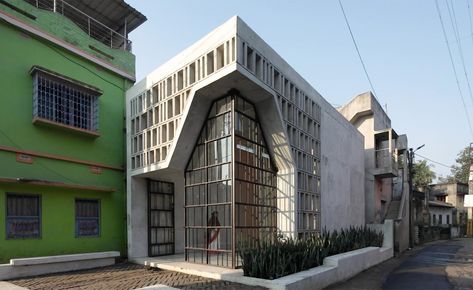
(357, 50)
(456, 33)
(469, 17)
(453, 67)
(433, 161)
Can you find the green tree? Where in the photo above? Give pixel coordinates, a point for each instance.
(461, 170)
(422, 175)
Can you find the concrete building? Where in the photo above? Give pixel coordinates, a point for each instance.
(440, 213)
(386, 170)
(454, 194)
(228, 145)
(64, 70)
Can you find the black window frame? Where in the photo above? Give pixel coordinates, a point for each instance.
(99, 219)
(7, 217)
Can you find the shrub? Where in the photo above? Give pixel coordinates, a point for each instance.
(285, 256)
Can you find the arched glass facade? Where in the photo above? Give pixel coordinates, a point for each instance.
(230, 186)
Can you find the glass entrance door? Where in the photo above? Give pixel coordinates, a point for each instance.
(160, 218)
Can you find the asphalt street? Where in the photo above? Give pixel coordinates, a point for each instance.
(425, 270)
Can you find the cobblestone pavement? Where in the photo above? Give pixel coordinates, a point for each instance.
(124, 276)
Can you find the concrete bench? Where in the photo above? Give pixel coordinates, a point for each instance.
(25, 267)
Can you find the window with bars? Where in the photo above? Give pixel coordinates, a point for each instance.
(23, 216)
(87, 217)
(61, 100)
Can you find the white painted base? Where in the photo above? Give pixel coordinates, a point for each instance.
(334, 269)
(19, 268)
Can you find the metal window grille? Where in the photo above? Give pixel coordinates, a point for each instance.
(23, 216)
(64, 103)
(87, 218)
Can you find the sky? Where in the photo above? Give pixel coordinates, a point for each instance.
(401, 43)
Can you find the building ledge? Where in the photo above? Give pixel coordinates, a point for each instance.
(48, 123)
(56, 184)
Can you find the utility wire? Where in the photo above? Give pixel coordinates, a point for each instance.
(83, 66)
(433, 161)
(469, 17)
(456, 32)
(453, 67)
(357, 50)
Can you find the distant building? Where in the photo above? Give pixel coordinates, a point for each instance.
(64, 70)
(454, 194)
(227, 145)
(386, 170)
(440, 213)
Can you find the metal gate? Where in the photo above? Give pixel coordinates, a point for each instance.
(160, 218)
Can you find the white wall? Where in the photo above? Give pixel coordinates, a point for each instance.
(342, 177)
(437, 211)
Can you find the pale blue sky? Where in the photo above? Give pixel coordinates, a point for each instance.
(401, 43)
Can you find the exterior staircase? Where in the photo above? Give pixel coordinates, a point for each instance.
(393, 210)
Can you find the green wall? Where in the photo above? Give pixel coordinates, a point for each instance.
(17, 55)
(63, 28)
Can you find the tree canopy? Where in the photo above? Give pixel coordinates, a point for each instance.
(422, 175)
(461, 170)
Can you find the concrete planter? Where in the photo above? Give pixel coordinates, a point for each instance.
(334, 269)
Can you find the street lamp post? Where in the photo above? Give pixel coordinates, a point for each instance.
(410, 158)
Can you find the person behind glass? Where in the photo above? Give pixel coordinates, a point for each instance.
(213, 235)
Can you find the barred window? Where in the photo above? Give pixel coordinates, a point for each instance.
(87, 217)
(61, 100)
(23, 216)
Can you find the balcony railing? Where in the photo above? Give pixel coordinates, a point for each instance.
(386, 163)
(91, 26)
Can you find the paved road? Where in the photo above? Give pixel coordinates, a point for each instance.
(437, 265)
(425, 270)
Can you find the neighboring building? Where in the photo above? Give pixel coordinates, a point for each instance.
(421, 215)
(64, 70)
(454, 194)
(386, 170)
(440, 213)
(227, 146)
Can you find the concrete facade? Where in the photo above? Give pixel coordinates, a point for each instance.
(386, 170)
(441, 213)
(454, 194)
(318, 154)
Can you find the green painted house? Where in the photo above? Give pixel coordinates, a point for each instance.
(64, 70)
